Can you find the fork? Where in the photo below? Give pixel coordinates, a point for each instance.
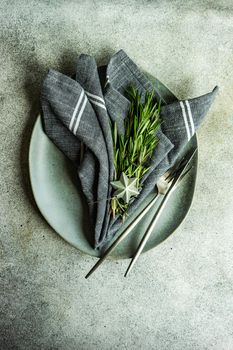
(182, 170)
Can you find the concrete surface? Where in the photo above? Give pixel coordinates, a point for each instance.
(180, 295)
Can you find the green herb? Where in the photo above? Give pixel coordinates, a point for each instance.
(133, 149)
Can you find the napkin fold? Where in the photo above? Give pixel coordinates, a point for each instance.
(77, 114)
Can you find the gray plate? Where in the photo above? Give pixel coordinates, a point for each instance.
(58, 196)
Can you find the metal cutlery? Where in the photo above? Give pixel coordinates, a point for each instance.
(166, 185)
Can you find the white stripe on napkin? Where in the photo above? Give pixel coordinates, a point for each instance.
(95, 97)
(190, 117)
(185, 120)
(80, 115)
(75, 110)
(97, 103)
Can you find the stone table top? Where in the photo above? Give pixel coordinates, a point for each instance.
(179, 296)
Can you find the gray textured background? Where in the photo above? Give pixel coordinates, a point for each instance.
(180, 295)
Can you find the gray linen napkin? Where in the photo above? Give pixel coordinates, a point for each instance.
(180, 120)
(70, 120)
(76, 114)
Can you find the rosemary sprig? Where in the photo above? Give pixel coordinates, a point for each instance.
(133, 149)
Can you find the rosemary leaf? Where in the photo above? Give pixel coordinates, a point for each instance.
(134, 149)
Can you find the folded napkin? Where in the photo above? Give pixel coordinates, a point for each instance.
(76, 114)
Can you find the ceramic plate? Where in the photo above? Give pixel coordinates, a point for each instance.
(59, 197)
